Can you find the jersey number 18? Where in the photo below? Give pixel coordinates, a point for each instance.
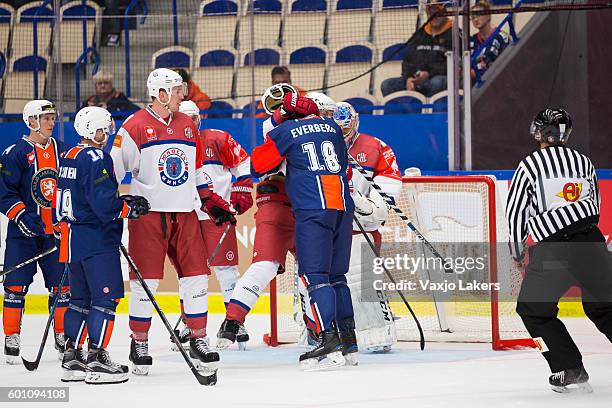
(328, 152)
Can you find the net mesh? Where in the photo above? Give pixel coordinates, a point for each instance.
(445, 212)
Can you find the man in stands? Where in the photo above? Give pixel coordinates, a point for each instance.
(424, 67)
(107, 97)
(483, 24)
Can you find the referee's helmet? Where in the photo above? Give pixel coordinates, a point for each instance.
(551, 125)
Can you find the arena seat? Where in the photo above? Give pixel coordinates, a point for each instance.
(172, 57)
(223, 105)
(403, 102)
(348, 63)
(267, 19)
(307, 66)
(262, 56)
(6, 20)
(364, 104)
(304, 25)
(394, 55)
(264, 59)
(439, 102)
(215, 73)
(349, 21)
(22, 42)
(72, 15)
(19, 82)
(215, 14)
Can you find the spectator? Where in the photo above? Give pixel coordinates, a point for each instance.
(280, 75)
(424, 67)
(108, 97)
(483, 24)
(194, 93)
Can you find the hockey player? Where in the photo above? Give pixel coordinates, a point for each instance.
(28, 178)
(159, 145)
(224, 158)
(317, 185)
(374, 322)
(90, 215)
(275, 225)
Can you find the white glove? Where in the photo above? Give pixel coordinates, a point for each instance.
(363, 205)
(371, 211)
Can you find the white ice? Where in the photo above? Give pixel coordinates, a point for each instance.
(444, 375)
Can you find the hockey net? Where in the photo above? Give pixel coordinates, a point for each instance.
(446, 210)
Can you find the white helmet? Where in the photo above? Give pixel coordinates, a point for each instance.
(347, 118)
(273, 97)
(325, 103)
(36, 108)
(163, 79)
(91, 119)
(191, 109)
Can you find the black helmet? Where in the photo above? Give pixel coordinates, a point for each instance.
(552, 125)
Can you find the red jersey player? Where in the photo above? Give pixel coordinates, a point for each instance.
(159, 145)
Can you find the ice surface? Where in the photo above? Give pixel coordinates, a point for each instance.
(444, 375)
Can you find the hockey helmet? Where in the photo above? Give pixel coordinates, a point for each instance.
(347, 118)
(191, 109)
(164, 79)
(36, 108)
(91, 119)
(551, 125)
(326, 105)
(273, 97)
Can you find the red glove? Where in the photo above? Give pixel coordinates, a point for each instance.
(241, 198)
(296, 106)
(219, 209)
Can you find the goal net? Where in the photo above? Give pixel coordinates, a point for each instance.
(461, 217)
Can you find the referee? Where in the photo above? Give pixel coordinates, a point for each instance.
(554, 197)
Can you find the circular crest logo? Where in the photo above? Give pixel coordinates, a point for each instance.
(44, 182)
(173, 167)
(229, 255)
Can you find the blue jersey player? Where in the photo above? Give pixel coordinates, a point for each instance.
(317, 184)
(28, 174)
(90, 214)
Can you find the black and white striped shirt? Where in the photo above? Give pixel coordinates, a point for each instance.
(553, 188)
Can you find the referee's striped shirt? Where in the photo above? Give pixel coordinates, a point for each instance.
(553, 188)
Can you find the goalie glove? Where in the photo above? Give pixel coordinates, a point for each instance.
(371, 211)
(219, 209)
(29, 224)
(296, 106)
(134, 207)
(241, 197)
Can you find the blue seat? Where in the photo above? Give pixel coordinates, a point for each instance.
(5, 14)
(262, 56)
(509, 2)
(267, 6)
(220, 7)
(220, 106)
(27, 14)
(363, 106)
(389, 53)
(400, 3)
(403, 104)
(27, 63)
(440, 105)
(218, 58)
(308, 55)
(354, 53)
(308, 5)
(173, 59)
(78, 12)
(2, 64)
(354, 4)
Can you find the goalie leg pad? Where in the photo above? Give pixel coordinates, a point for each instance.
(141, 309)
(194, 292)
(227, 277)
(249, 287)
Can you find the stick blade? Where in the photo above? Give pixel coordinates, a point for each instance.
(30, 365)
(208, 380)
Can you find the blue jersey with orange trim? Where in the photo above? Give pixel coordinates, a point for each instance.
(28, 176)
(317, 163)
(88, 205)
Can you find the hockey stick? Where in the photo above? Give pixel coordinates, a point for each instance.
(202, 379)
(399, 212)
(33, 365)
(399, 292)
(29, 261)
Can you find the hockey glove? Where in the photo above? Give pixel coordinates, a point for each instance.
(296, 106)
(30, 224)
(242, 198)
(134, 207)
(363, 205)
(219, 209)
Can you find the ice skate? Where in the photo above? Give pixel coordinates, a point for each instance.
(101, 370)
(349, 347)
(183, 336)
(327, 354)
(205, 360)
(74, 364)
(59, 345)
(11, 349)
(242, 337)
(228, 333)
(140, 358)
(570, 380)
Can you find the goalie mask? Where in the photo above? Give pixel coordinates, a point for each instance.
(273, 97)
(34, 109)
(348, 119)
(191, 109)
(326, 105)
(91, 119)
(551, 125)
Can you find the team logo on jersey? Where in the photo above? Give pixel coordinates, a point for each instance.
(362, 157)
(43, 186)
(209, 152)
(170, 131)
(150, 133)
(229, 255)
(173, 167)
(188, 133)
(31, 157)
(571, 192)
